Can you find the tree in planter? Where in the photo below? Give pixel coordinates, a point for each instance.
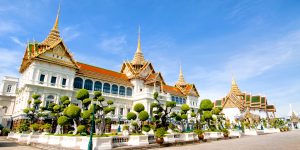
(132, 116)
(142, 116)
(193, 116)
(161, 115)
(101, 110)
(62, 121)
(31, 112)
(73, 112)
(83, 95)
(205, 112)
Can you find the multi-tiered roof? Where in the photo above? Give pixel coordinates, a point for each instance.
(242, 100)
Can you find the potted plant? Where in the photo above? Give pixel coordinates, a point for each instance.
(225, 132)
(199, 132)
(159, 134)
(46, 127)
(34, 127)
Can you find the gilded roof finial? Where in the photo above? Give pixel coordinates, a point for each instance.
(234, 86)
(55, 27)
(53, 36)
(181, 80)
(138, 58)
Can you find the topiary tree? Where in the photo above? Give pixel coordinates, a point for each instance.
(101, 110)
(32, 112)
(160, 112)
(73, 112)
(205, 113)
(62, 121)
(82, 94)
(142, 116)
(81, 129)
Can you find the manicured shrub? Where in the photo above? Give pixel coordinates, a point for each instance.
(23, 127)
(29, 102)
(66, 102)
(101, 99)
(5, 131)
(86, 114)
(110, 102)
(81, 128)
(70, 132)
(35, 96)
(185, 107)
(63, 120)
(86, 101)
(82, 94)
(37, 102)
(72, 111)
(26, 110)
(206, 105)
(146, 128)
(97, 94)
(160, 133)
(46, 126)
(125, 127)
(139, 107)
(216, 111)
(63, 99)
(34, 127)
(57, 108)
(131, 116)
(134, 124)
(143, 115)
(184, 116)
(207, 115)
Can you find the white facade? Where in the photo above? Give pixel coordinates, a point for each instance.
(8, 89)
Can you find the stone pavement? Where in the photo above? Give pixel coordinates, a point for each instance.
(277, 141)
(6, 144)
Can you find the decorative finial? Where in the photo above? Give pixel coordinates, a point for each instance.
(181, 80)
(138, 58)
(55, 27)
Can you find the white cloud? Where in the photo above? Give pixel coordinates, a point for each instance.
(17, 41)
(8, 27)
(115, 44)
(69, 33)
(9, 62)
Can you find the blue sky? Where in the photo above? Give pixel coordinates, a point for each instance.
(256, 40)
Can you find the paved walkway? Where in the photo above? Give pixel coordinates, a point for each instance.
(277, 141)
(12, 145)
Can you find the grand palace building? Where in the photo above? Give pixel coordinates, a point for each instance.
(49, 69)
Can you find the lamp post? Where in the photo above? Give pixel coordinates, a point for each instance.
(90, 146)
(119, 127)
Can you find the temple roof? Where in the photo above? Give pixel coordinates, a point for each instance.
(181, 80)
(234, 87)
(172, 90)
(102, 74)
(54, 35)
(138, 58)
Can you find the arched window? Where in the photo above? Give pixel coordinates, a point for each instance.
(98, 86)
(5, 109)
(8, 89)
(78, 83)
(50, 99)
(114, 89)
(129, 91)
(122, 90)
(106, 88)
(88, 84)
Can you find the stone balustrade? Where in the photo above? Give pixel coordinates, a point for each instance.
(213, 135)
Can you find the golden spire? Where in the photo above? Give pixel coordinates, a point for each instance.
(138, 58)
(54, 33)
(234, 86)
(181, 80)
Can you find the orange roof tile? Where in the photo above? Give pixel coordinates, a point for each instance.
(102, 74)
(172, 90)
